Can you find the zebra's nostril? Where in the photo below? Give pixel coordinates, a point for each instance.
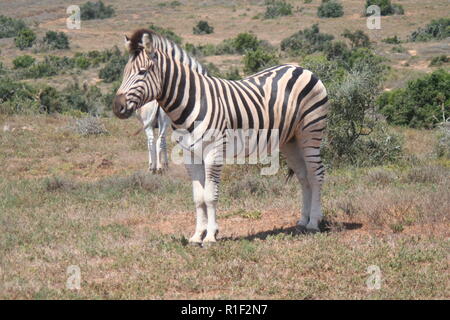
(120, 107)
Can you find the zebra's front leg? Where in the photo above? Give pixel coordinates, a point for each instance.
(197, 173)
(211, 195)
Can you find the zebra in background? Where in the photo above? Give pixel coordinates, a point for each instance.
(152, 117)
(286, 98)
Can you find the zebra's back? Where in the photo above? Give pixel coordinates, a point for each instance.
(287, 97)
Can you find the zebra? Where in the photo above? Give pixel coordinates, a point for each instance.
(286, 98)
(151, 116)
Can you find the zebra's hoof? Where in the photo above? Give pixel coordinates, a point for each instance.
(195, 244)
(208, 244)
(312, 230)
(301, 229)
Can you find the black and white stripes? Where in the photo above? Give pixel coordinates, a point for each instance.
(287, 99)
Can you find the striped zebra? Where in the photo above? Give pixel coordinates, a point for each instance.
(152, 117)
(286, 98)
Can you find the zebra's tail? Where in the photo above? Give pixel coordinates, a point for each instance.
(289, 175)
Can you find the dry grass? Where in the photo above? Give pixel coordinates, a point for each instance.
(127, 230)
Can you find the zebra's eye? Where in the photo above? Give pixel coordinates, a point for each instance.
(142, 72)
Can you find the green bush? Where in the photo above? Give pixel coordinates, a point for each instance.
(56, 40)
(87, 99)
(387, 8)
(10, 27)
(439, 60)
(423, 103)
(172, 4)
(232, 74)
(82, 62)
(307, 41)
(169, 34)
(238, 45)
(392, 40)
(50, 66)
(259, 59)
(203, 27)
(436, 30)
(25, 39)
(246, 41)
(277, 9)
(443, 141)
(358, 39)
(354, 135)
(24, 61)
(16, 97)
(96, 10)
(113, 70)
(330, 9)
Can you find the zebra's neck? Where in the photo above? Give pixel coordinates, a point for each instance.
(188, 96)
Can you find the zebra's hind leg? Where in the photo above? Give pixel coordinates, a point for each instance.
(152, 157)
(315, 172)
(161, 144)
(296, 163)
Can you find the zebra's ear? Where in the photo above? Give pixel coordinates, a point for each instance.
(127, 43)
(147, 43)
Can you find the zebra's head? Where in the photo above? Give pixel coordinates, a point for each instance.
(141, 78)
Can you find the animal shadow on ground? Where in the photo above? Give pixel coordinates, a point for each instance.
(325, 226)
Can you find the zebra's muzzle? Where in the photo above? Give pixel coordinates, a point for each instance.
(120, 107)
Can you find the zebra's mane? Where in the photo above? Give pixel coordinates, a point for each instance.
(168, 47)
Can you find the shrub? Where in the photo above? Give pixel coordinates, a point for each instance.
(16, 97)
(354, 135)
(259, 59)
(392, 40)
(85, 99)
(25, 39)
(307, 41)
(96, 10)
(439, 60)
(87, 126)
(113, 70)
(203, 27)
(423, 103)
(238, 45)
(232, 74)
(56, 40)
(438, 29)
(49, 100)
(386, 7)
(277, 9)
(443, 141)
(358, 39)
(330, 9)
(246, 41)
(10, 27)
(82, 62)
(169, 34)
(50, 66)
(23, 61)
(172, 4)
